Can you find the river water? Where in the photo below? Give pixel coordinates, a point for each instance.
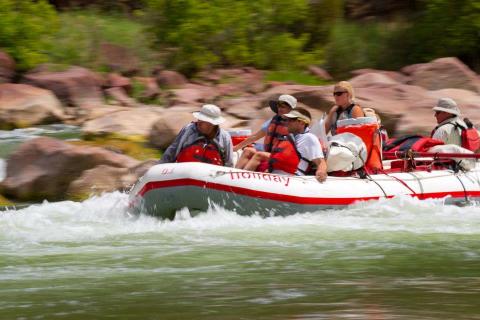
(394, 259)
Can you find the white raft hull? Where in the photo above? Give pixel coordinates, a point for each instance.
(166, 188)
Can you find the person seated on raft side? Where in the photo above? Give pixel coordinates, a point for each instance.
(271, 129)
(299, 152)
(447, 112)
(202, 140)
(344, 108)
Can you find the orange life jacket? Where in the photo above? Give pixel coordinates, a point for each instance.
(276, 129)
(370, 135)
(202, 150)
(286, 157)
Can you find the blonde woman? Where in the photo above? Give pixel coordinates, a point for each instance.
(344, 108)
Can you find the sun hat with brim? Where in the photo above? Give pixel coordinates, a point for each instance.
(294, 114)
(447, 105)
(288, 99)
(210, 113)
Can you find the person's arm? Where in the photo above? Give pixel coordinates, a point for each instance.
(254, 137)
(321, 173)
(357, 112)
(330, 118)
(170, 154)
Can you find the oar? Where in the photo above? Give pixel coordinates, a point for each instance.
(436, 155)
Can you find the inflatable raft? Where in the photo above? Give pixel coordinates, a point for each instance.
(166, 188)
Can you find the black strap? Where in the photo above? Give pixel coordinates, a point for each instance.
(348, 110)
(311, 166)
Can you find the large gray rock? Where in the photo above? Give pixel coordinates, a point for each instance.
(75, 87)
(43, 168)
(22, 105)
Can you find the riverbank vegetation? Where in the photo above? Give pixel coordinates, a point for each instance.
(278, 35)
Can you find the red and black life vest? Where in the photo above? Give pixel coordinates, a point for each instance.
(469, 135)
(286, 157)
(411, 142)
(202, 150)
(276, 129)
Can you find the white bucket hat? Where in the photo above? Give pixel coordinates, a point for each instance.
(210, 113)
(447, 105)
(288, 99)
(294, 114)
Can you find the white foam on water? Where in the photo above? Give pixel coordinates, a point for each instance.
(3, 168)
(106, 217)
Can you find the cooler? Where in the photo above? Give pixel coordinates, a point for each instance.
(239, 135)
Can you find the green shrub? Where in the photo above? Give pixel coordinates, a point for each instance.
(359, 45)
(81, 33)
(445, 28)
(265, 33)
(24, 28)
(294, 76)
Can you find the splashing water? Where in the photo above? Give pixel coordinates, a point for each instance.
(387, 259)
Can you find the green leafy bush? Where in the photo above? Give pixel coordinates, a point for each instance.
(78, 40)
(445, 28)
(24, 28)
(274, 34)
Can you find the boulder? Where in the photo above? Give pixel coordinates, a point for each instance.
(233, 81)
(241, 107)
(120, 96)
(43, 168)
(170, 79)
(320, 73)
(165, 129)
(22, 105)
(119, 59)
(131, 122)
(316, 97)
(7, 67)
(443, 73)
(115, 80)
(379, 76)
(192, 94)
(104, 178)
(150, 91)
(75, 87)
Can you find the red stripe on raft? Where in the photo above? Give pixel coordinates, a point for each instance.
(286, 198)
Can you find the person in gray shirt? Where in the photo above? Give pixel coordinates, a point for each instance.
(202, 140)
(449, 124)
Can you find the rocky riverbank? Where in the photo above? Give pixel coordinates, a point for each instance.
(103, 105)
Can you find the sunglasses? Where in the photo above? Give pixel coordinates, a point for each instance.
(339, 93)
